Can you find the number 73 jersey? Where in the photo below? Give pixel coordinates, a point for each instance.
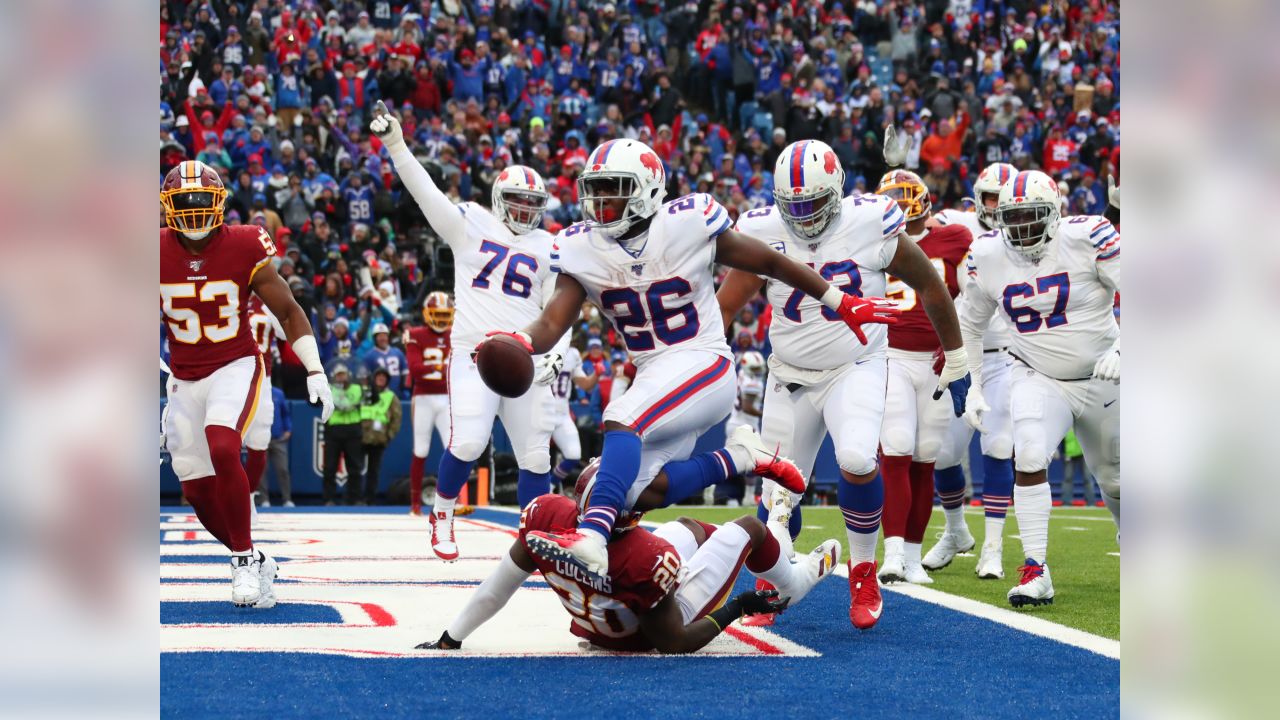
(1060, 309)
(205, 297)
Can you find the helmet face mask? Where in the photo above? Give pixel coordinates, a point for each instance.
(908, 190)
(808, 215)
(622, 184)
(752, 363)
(986, 190)
(437, 311)
(519, 199)
(808, 187)
(193, 199)
(1028, 213)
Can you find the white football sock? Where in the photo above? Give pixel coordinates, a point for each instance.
(911, 551)
(995, 531)
(893, 546)
(444, 504)
(862, 546)
(1032, 504)
(955, 521)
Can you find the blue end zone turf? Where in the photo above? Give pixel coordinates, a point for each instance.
(205, 612)
(921, 661)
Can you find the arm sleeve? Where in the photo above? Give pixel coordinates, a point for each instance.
(445, 217)
(975, 310)
(489, 598)
(1106, 247)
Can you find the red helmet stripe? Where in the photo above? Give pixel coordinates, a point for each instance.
(604, 152)
(528, 177)
(1004, 173)
(797, 165)
(1020, 184)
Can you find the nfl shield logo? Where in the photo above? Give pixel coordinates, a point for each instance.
(637, 269)
(195, 265)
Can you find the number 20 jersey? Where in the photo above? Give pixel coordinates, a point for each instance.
(501, 280)
(851, 254)
(1059, 309)
(660, 294)
(205, 297)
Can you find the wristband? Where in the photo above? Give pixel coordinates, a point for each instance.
(832, 297)
(306, 350)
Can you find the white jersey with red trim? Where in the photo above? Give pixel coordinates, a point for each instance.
(658, 289)
(997, 334)
(852, 254)
(749, 386)
(1059, 308)
(501, 280)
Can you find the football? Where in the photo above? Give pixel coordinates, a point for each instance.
(505, 366)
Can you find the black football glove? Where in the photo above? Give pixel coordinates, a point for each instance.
(755, 602)
(444, 643)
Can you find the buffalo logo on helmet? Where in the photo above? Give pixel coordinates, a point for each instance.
(652, 162)
(829, 162)
(503, 176)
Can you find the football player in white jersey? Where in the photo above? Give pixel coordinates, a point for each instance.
(749, 406)
(562, 374)
(818, 383)
(648, 266)
(1055, 279)
(997, 429)
(502, 277)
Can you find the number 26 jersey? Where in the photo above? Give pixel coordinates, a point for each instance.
(657, 289)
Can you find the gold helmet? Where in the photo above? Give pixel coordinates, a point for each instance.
(437, 311)
(193, 198)
(909, 190)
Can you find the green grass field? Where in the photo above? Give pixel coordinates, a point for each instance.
(1086, 576)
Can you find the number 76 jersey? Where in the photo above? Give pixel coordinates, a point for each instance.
(1060, 309)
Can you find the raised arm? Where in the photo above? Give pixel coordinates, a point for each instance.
(445, 217)
(275, 294)
(735, 292)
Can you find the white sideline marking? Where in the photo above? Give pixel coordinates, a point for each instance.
(1076, 528)
(1030, 624)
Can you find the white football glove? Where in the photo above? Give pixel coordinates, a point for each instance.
(975, 407)
(319, 394)
(1113, 192)
(1108, 367)
(386, 127)
(548, 368)
(895, 150)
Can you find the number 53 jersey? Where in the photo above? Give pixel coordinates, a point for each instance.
(659, 288)
(1060, 309)
(205, 297)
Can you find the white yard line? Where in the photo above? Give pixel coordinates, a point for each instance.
(1027, 623)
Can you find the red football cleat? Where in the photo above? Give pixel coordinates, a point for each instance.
(761, 619)
(865, 603)
(768, 463)
(442, 541)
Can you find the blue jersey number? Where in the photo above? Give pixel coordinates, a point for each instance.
(1028, 319)
(829, 272)
(513, 283)
(628, 308)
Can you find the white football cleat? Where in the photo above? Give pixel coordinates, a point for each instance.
(946, 549)
(915, 574)
(991, 561)
(813, 567)
(1035, 588)
(586, 550)
(267, 571)
(443, 543)
(246, 584)
(893, 569)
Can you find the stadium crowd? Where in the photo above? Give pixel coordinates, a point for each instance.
(277, 95)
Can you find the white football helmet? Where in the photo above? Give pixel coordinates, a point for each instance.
(808, 185)
(1028, 213)
(992, 178)
(751, 363)
(621, 170)
(519, 198)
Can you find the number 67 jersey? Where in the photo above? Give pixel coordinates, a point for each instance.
(1060, 309)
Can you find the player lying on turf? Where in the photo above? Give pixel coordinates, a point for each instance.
(648, 266)
(663, 587)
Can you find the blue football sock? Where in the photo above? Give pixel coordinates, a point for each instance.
(565, 467)
(997, 489)
(619, 466)
(531, 485)
(862, 505)
(950, 485)
(452, 476)
(686, 478)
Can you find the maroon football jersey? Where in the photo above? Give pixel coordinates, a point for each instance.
(205, 297)
(428, 354)
(946, 247)
(643, 569)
